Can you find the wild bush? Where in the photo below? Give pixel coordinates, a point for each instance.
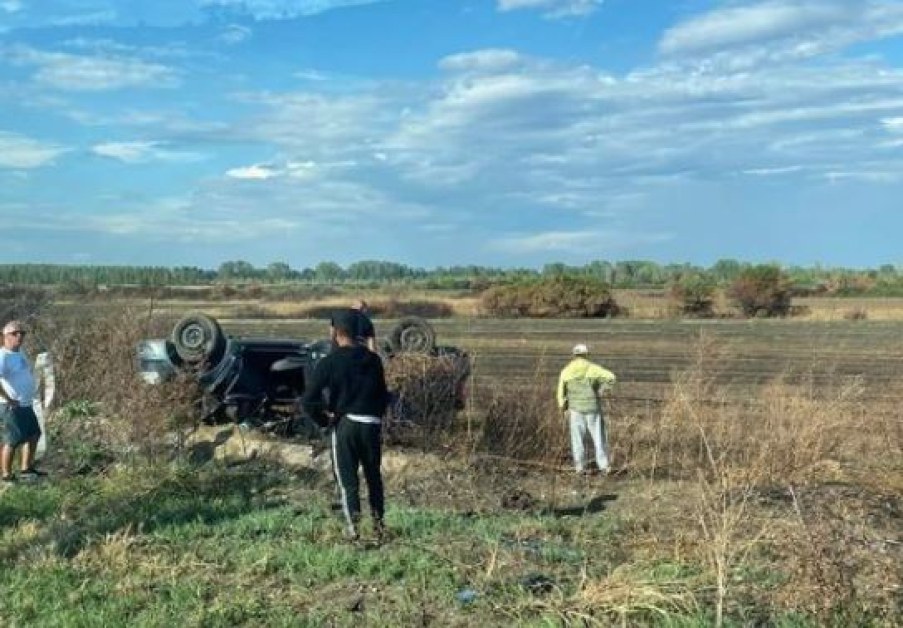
(426, 390)
(522, 422)
(694, 295)
(762, 290)
(561, 296)
(95, 363)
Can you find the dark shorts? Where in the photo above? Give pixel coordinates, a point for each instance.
(20, 425)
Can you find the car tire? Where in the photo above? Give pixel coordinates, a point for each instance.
(412, 335)
(198, 338)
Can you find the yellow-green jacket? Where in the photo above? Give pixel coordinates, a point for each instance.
(581, 384)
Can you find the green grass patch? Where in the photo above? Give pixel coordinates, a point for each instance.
(254, 545)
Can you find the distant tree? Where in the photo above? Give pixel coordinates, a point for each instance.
(279, 271)
(888, 270)
(694, 295)
(329, 272)
(237, 269)
(762, 290)
(725, 271)
(553, 269)
(602, 270)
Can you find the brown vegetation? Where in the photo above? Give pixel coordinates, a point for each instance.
(427, 390)
(784, 500)
(762, 291)
(561, 296)
(95, 362)
(786, 480)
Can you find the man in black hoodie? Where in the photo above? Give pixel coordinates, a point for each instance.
(357, 399)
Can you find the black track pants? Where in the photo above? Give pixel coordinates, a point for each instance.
(358, 445)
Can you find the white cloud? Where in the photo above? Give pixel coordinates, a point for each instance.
(487, 60)
(11, 6)
(302, 169)
(867, 176)
(168, 219)
(311, 75)
(90, 18)
(323, 127)
(755, 33)
(553, 8)
(21, 152)
(771, 172)
(306, 170)
(92, 73)
(235, 34)
(755, 23)
(556, 139)
(255, 172)
(282, 9)
(599, 243)
(142, 151)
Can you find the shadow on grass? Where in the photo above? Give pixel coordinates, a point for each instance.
(595, 505)
(89, 510)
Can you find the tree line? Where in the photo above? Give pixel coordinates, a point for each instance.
(885, 280)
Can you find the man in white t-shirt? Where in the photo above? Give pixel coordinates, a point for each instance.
(17, 390)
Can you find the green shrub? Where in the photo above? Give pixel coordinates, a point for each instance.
(694, 295)
(762, 291)
(561, 296)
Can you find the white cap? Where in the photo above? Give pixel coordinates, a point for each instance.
(12, 326)
(580, 349)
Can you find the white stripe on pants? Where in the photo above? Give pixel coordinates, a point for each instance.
(583, 424)
(350, 527)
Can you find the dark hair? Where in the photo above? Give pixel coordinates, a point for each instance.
(344, 323)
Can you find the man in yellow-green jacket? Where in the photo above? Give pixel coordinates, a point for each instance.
(580, 388)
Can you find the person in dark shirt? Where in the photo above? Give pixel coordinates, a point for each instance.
(357, 400)
(362, 328)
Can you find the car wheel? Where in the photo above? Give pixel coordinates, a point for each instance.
(198, 338)
(412, 335)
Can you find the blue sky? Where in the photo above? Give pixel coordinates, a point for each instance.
(443, 132)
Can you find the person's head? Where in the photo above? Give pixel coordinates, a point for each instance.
(13, 335)
(580, 350)
(361, 306)
(343, 328)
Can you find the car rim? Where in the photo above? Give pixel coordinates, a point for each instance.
(193, 337)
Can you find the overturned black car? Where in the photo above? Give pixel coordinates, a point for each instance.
(258, 382)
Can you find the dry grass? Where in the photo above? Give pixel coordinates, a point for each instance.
(794, 479)
(656, 305)
(95, 361)
(523, 422)
(391, 302)
(426, 389)
(786, 500)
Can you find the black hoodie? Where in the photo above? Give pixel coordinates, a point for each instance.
(355, 381)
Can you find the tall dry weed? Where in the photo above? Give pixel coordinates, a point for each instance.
(730, 450)
(522, 421)
(95, 361)
(427, 390)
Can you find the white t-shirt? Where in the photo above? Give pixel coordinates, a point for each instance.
(16, 376)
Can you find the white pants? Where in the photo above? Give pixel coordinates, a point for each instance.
(592, 424)
(42, 442)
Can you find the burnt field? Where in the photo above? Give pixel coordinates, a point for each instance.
(755, 481)
(647, 354)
